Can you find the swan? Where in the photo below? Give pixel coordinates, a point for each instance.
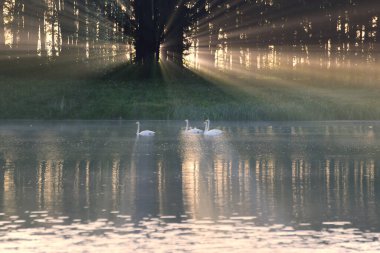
(192, 130)
(212, 132)
(145, 132)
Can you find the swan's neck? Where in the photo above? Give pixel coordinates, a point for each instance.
(187, 125)
(138, 128)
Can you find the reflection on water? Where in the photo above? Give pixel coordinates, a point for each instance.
(269, 186)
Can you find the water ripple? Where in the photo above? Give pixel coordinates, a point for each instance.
(238, 234)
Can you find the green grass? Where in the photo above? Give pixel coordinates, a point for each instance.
(134, 92)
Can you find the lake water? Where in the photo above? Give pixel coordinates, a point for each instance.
(75, 186)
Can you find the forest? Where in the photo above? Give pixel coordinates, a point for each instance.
(302, 43)
(149, 30)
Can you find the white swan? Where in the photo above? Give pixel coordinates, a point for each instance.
(145, 132)
(192, 130)
(211, 132)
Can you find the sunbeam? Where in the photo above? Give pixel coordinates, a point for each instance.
(65, 29)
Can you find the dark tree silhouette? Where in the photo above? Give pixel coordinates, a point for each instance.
(67, 24)
(147, 31)
(161, 26)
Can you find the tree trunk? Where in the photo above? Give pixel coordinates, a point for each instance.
(174, 36)
(2, 41)
(40, 12)
(16, 27)
(66, 19)
(147, 39)
(81, 33)
(31, 27)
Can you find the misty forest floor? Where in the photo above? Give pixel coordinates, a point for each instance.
(130, 92)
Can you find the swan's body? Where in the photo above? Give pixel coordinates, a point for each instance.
(195, 131)
(143, 133)
(212, 132)
(192, 130)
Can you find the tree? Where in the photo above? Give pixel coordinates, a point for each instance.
(66, 18)
(163, 23)
(147, 31)
(2, 40)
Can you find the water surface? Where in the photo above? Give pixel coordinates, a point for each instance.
(75, 186)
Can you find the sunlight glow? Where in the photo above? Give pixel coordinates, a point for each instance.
(229, 53)
(48, 32)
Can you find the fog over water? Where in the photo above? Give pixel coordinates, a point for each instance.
(266, 185)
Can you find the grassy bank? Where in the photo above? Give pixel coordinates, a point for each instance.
(132, 92)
